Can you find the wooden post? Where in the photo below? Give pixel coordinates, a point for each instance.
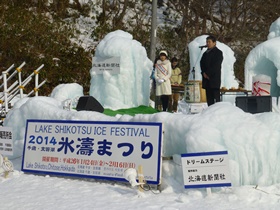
(6, 173)
(140, 178)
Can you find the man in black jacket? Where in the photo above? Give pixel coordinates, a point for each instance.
(210, 64)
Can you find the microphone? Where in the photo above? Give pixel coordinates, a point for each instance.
(202, 46)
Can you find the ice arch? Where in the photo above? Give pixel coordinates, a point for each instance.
(264, 59)
(228, 79)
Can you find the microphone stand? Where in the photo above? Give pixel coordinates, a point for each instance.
(193, 71)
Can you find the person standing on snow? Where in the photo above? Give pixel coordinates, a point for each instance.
(210, 64)
(176, 79)
(162, 77)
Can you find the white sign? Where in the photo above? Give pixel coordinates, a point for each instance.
(209, 169)
(93, 149)
(6, 141)
(112, 65)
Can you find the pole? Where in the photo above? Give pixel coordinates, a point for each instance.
(16, 90)
(193, 72)
(9, 89)
(36, 83)
(5, 92)
(153, 39)
(37, 88)
(153, 31)
(7, 71)
(34, 72)
(140, 178)
(20, 82)
(13, 74)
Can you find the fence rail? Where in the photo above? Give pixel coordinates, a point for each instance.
(17, 87)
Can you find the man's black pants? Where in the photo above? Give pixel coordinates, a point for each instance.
(212, 95)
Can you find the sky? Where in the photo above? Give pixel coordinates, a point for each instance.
(251, 140)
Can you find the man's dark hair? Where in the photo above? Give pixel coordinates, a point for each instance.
(211, 38)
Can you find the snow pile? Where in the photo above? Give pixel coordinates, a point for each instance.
(63, 92)
(252, 141)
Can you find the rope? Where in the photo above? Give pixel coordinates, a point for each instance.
(147, 187)
(265, 191)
